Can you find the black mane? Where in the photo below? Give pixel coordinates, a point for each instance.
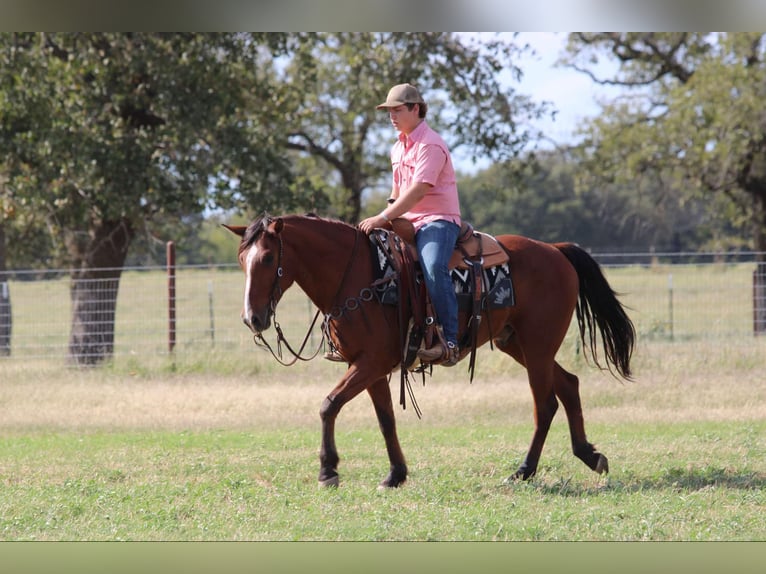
(254, 231)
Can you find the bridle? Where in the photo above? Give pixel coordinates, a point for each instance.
(274, 296)
(336, 312)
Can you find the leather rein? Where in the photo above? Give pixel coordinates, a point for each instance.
(351, 304)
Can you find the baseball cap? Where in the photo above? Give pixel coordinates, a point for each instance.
(401, 94)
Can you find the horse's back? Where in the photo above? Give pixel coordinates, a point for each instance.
(532, 254)
(544, 279)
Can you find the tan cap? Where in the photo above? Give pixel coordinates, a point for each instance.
(400, 95)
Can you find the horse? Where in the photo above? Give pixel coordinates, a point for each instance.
(332, 263)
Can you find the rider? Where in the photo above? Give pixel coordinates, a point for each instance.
(424, 191)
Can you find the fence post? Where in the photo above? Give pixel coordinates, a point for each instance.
(759, 298)
(670, 304)
(6, 319)
(171, 266)
(211, 312)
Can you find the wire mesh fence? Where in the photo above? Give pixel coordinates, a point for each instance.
(670, 298)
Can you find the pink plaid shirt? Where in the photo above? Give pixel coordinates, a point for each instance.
(423, 157)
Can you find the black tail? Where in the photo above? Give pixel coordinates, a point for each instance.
(598, 306)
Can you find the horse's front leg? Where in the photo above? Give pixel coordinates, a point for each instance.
(352, 383)
(380, 393)
(328, 453)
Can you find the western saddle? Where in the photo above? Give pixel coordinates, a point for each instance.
(474, 251)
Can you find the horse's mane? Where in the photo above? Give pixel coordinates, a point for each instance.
(259, 224)
(253, 231)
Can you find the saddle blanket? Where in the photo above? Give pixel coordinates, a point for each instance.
(498, 285)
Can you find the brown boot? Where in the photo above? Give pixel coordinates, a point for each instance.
(440, 355)
(334, 356)
(453, 356)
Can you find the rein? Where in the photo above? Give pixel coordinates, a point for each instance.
(281, 339)
(276, 293)
(336, 312)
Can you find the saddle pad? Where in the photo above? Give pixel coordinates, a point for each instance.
(498, 285)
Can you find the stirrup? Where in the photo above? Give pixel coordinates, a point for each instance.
(440, 355)
(334, 356)
(453, 355)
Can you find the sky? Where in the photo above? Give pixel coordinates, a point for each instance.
(572, 93)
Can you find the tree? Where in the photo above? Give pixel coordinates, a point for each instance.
(693, 123)
(336, 80)
(545, 203)
(103, 134)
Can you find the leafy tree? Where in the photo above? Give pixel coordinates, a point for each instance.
(106, 137)
(337, 79)
(546, 204)
(692, 125)
(102, 135)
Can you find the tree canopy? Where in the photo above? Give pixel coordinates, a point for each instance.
(104, 134)
(107, 138)
(691, 125)
(335, 80)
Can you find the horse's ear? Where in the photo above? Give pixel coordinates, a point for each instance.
(278, 225)
(236, 229)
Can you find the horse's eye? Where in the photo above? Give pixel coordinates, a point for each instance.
(268, 259)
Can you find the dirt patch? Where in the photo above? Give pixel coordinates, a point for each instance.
(89, 401)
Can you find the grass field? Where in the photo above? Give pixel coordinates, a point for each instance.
(169, 453)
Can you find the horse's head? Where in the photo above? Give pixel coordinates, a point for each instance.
(260, 256)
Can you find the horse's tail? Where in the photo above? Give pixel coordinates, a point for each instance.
(599, 307)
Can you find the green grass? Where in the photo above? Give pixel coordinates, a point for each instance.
(109, 455)
(260, 485)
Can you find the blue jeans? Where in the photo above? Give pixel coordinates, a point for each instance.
(435, 242)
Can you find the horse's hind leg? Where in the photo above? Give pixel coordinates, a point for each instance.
(567, 390)
(546, 406)
(540, 377)
(380, 393)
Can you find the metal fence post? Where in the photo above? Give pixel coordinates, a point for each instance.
(171, 265)
(6, 319)
(759, 298)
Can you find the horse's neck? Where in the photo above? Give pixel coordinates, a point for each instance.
(324, 256)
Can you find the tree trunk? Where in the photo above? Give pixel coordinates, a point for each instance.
(6, 319)
(94, 286)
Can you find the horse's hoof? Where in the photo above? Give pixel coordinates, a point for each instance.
(332, 482)
(516, 477)
(387, 485)
(602, 465)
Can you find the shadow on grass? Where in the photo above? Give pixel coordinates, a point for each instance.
(677, 479)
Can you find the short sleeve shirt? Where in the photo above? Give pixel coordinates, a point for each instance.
(423, 157)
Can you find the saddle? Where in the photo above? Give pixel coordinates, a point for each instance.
(474, 252)
(471, 245)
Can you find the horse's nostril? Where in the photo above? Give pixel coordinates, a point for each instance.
(249, 322)
(254, 323)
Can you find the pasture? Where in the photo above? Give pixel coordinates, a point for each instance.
(219, 442)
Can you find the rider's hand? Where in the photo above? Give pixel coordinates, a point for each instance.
(374, 222)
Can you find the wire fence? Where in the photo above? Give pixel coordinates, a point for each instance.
(670, 298)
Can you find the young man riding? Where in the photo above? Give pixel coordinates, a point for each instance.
(424, 191)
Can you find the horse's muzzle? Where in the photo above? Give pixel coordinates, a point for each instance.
(257, 323)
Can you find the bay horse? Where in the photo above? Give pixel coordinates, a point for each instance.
(332, 262)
